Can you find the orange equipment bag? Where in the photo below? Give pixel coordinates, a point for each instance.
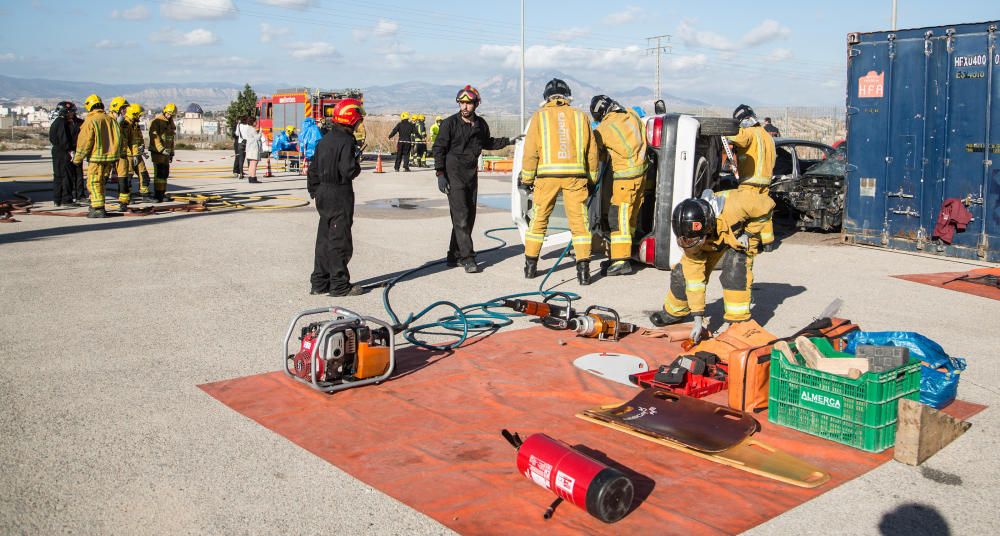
(746, 348)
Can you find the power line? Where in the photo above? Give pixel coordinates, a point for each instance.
(657, 50)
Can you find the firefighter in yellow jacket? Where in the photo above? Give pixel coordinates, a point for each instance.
(134, 148)
(161, 148)
(116, 109)
(560, 155)
(100, 143)
(755, 155)
(621, 141)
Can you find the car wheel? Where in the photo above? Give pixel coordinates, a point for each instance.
(718, 126)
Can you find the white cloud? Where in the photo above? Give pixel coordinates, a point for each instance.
(765, 32)
(198, 9)
(138, 12)
(385, 28)
(269, 32)
(291, 4)
(629, 14)
(7, 56)
(778, 55)
(310, 51)
(195, 38)
(570, 34)
(359, 35)
(109, 44)
(686, 63)
(563, 57)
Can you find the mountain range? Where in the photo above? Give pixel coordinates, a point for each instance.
(500, 94)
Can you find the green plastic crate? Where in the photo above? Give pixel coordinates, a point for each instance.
(860, 413)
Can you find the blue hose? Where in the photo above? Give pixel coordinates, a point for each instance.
(476, 318)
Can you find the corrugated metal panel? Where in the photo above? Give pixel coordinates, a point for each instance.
(923, 126)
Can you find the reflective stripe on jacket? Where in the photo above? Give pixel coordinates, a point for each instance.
(754, 155)
(622, 137)
(100, 139)
(559, 143)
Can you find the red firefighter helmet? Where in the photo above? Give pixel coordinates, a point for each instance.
(468, 94)
(348, 112)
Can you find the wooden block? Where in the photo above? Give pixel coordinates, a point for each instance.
(922, 431)
(810, 354)
(834, 365)
(786, 351)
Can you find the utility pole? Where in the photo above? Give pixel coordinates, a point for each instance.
(660, 47)
(522, 68)
(894, 15)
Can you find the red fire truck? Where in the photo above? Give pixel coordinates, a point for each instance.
(291, 106)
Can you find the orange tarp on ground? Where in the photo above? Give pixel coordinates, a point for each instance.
(953, 281)
(431, 439)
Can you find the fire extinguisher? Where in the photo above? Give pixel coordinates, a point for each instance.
(603, 491)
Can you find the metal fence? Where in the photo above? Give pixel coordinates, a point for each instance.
(818, 123)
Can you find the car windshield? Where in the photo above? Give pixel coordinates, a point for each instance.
(835, 164)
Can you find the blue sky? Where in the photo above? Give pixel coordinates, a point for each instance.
(778, 52)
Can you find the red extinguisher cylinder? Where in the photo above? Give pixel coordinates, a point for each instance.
(603, 491)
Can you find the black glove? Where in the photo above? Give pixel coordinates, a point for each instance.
(525, 187)
(168, 152)
(443, 183)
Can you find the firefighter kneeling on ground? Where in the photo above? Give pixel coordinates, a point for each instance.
(335, 164)
(134, 149)
(100, 143)
(161, 145)
(621, 140)
(560, 155)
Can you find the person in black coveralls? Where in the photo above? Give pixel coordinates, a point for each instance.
(461, 139)
(335, 164)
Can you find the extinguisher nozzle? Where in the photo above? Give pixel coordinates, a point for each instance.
(513, 439)
(552, 508)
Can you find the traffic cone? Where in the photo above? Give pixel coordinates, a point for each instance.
(378, 163)
(268, 172)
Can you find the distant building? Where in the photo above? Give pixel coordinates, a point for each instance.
(192, 121)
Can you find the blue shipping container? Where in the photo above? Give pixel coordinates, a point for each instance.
(923, 126)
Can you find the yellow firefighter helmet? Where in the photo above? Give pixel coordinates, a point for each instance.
(170, 109)
(92, 101)
(117, 104)
(404, 116)
(133, 112)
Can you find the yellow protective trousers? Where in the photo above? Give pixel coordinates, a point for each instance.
(575, 193)
(97, 173)
(626, 200)
(689, 278)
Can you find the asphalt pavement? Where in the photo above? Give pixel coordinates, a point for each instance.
(108, 326)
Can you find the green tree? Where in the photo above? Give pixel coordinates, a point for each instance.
(245, 105)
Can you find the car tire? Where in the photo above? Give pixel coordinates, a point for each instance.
(718, 126)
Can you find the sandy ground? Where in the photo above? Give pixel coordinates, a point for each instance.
(109, 325)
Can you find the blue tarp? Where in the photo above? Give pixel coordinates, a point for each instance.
(282, 143)
(309, 138)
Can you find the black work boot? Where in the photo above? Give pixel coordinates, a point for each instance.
(450, 261)
(470, 267)
(583, 272)
(662, 318)
(97, 213)
(355, 290)
(620, 268)
(530, 267)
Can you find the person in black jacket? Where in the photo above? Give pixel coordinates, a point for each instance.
(80, 195)
(405, 130)
(335, 164)
(461, 139)
(63, 144)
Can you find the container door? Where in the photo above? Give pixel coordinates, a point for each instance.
(970, 171)
(867, 120)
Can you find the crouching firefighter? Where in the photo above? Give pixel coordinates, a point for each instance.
(336, 162)
(726, 228)
(621, 141)
(560, 155)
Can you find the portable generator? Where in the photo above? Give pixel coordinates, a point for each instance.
(339, 353)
